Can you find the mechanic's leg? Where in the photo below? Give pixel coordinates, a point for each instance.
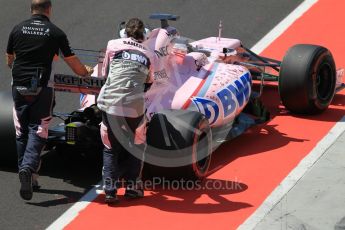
(40, 116)
(110, 164)
(117, 127)
(21, 116)
(21, 122)
(31, 162)
(135, 165)
(111, 170)
(21, 133)
(134, 162)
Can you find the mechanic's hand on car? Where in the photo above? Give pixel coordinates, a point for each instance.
(89, 70)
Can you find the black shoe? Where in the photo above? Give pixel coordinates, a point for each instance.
(111, 199)
(134, 193)
(25, 178)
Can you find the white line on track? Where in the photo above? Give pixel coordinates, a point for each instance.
(73, 211)
(294, 176)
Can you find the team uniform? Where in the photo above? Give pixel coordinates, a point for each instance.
(127, 67)
(34, 43)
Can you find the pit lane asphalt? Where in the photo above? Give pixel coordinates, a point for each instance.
(90, 25)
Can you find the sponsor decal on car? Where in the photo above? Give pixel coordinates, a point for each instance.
(231, 98)
(77, 81)
(162, 52)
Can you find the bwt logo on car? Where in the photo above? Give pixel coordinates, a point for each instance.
(232, 97)
(134, 57)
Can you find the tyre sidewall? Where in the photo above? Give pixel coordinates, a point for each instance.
(185, 143)
(298, 79)
(321, 58)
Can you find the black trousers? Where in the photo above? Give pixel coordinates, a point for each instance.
(31, 116)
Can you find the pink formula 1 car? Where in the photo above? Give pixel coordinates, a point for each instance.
(202, 96)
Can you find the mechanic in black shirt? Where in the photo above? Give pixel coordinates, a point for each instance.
(31, 48)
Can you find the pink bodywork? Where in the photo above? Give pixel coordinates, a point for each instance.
(192, 81)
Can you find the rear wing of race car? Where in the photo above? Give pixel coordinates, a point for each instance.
(84, 85)
(164, 18)
(76, 84)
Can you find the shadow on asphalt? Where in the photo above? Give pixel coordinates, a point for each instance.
(339, 100)
(271, 100)
(206, 197)
(62, 197)
(263, 138)
(73, 169)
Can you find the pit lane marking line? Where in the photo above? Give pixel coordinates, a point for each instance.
(67, 217)
(294, 176)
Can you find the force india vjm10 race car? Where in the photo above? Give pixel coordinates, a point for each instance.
(202, 95)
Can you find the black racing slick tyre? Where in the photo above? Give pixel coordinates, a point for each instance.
(179, 145)
(307, 79)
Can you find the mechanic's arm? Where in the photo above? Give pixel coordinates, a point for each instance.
(71, 59)
(78, 68)
(9, 60)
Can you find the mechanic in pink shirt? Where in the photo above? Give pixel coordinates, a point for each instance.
(127, 67)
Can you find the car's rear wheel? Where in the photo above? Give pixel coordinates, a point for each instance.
(179, 145)
(307, 79)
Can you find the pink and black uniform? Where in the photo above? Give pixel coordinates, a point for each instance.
(34, 43)
(127, 67)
